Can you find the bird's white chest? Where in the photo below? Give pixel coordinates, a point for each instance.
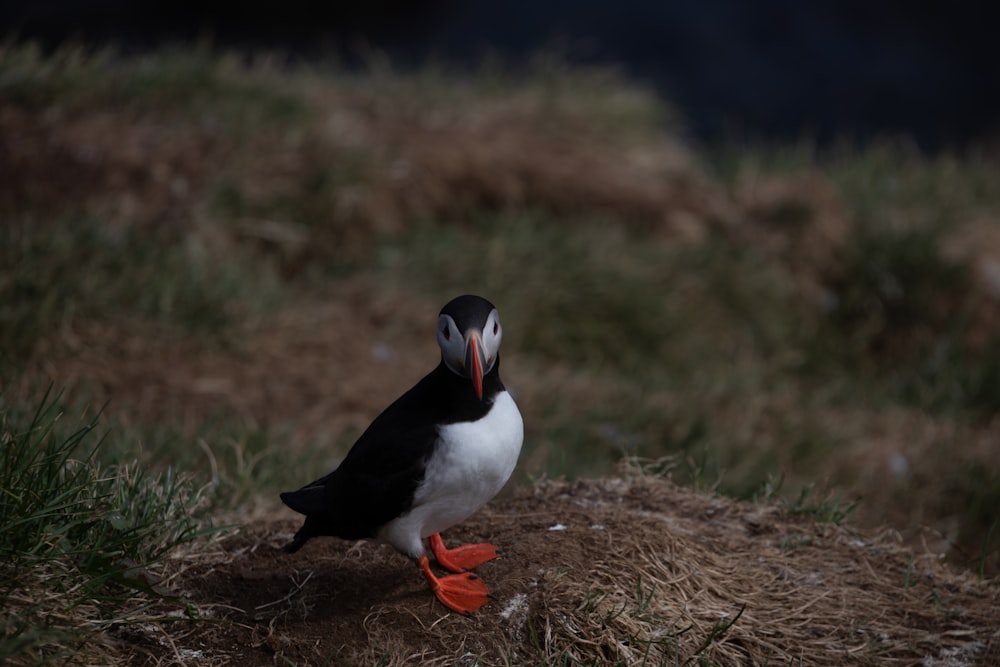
(471, 463)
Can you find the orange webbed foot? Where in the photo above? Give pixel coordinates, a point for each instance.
(464, 593)
(465, 557)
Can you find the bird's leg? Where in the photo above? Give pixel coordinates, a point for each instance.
(464, 593)
(465, 557)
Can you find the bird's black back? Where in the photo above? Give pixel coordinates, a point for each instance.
(377, 480)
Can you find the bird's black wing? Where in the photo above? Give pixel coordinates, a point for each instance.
(377, 480)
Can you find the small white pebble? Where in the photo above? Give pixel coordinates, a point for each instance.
(899, 465)
(383, 353)
(558, 526)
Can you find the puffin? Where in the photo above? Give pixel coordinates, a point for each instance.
(429, 461)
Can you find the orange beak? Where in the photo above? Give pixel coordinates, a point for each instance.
(475, 361)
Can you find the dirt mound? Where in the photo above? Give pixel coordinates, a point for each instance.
(630, 570)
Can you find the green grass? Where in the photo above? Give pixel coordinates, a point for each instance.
(612, 298)
(80, 543)
(231, 460)
(899, 312)
(974, 490)
(193, 80)
(77, 270)
(831, 509)
(643, 318)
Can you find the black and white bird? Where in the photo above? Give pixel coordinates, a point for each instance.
(429, 461)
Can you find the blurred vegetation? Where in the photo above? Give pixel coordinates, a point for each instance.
(827, 318)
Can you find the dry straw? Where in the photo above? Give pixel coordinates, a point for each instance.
(630, 570)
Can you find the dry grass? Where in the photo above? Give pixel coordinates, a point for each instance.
(629, 570)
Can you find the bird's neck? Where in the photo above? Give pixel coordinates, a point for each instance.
(462, 386)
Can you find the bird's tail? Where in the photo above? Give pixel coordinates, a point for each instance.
(296, 543)
(308, 501)
(306, 533)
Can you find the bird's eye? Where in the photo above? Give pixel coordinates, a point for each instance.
(446, 332)
(496, 328)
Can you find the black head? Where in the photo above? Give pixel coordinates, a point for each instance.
(469, 334)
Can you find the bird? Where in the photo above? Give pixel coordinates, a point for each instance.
(429, 461)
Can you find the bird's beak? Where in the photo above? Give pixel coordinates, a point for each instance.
(475, 360)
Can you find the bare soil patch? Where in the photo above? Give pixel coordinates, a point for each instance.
(629, 570)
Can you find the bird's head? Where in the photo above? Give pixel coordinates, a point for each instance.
(469, 334)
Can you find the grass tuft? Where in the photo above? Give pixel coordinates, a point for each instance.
(829, 509)
(79, 543)
(896, 287)
(187, 80)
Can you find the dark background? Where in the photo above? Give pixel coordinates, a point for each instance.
(738, 70)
